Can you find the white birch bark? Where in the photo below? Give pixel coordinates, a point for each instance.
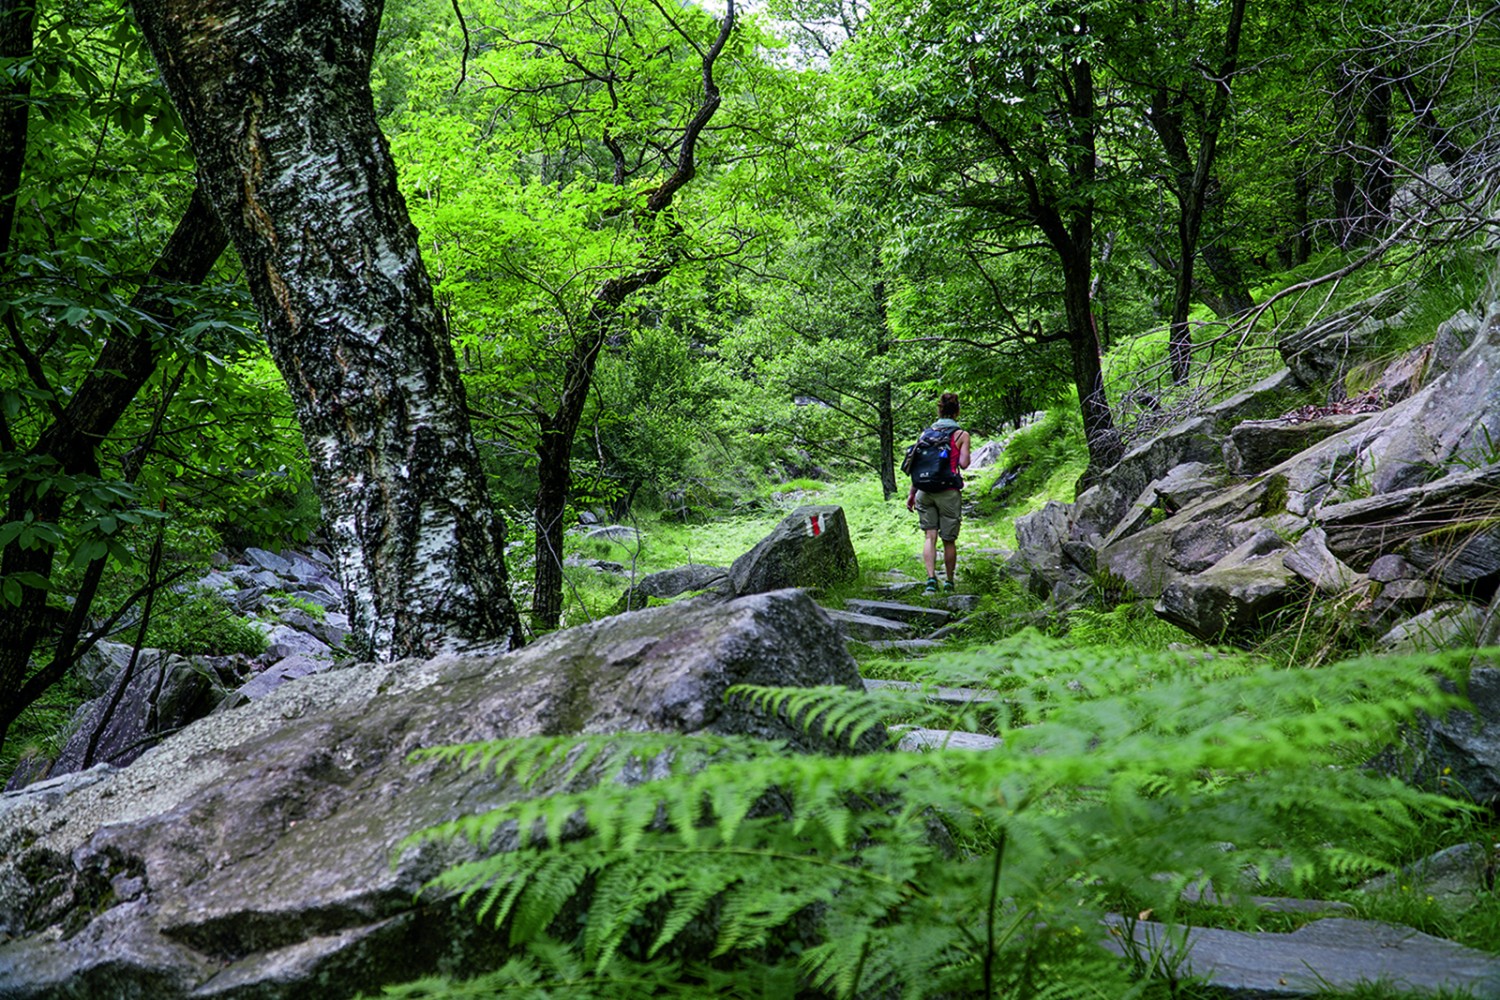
(276, 100)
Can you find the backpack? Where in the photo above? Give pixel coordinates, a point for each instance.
(932, 462)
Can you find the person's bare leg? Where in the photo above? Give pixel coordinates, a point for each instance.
(950, 559)
(929, 554)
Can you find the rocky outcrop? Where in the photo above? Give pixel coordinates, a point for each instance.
(674, 583)
(811, 547)
(254, 853)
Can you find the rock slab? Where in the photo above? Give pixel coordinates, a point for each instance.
(1332, 954)
(251, 854)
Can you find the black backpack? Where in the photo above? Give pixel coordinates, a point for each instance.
(932, 462)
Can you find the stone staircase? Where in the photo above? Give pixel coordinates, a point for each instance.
(1329, 954)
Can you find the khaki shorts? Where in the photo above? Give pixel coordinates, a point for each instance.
(942, 512)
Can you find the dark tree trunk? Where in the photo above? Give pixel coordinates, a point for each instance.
(276, 100)
(68, 445)
(1219, 257)
(17, 22)
(555, 447)
(1192, 183)
(554, 452)
(1424, 113)
(1378, 183)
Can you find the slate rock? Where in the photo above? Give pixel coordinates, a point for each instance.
(1458, 876)
(811, 547)
(288, 668)
(911, 613)
(1460, 754)
(284, 640)
(867, 627)
(1447, 625)
(1336, 953)
(258, 846)
(1310, 559)
(1389, 568)
(165, 693)
(1233, 598)
(1257, 445)
(986, 455)
(613, 533)
(270, 561)
(917, 738)
(671, 583)
(1322, 352)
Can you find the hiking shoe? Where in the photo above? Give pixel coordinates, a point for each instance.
(948, 587)
(931, 587)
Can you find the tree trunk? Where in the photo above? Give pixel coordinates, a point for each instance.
(17, 24)
(554, 451)
(68, 444)
(276, 100)
(1104, 443)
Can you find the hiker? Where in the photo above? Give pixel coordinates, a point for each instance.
(936, 488)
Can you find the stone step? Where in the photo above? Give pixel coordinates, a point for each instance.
(905, 645)
(952, 628)
(901, 588)
(917, 615)
(866, 627)
(917, 738)
(1336, 953)
(942, 695)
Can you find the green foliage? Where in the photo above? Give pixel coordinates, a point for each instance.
(938, 873)
(202, 623)
(1132, 625)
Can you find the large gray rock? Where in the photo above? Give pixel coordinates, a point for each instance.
(1256, 445)
(253, 854)
(1320, 354)
(1103, 505)
(1232, 598)
(1444, 520)
(165, 693)
(1331, 954)
(673, 583)
(1460, 754)
(811, 547)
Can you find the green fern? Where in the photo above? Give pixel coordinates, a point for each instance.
(1124, 775)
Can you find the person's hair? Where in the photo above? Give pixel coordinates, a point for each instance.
(948, 405)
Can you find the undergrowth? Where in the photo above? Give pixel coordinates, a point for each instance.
(721, 865)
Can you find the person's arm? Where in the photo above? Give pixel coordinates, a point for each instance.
(911, 498)
(963, 449)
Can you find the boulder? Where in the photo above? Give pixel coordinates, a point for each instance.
(811, 547)
(986, 455)
(1163, 497)
(1456, 877)
(1445, 625)
(1310, 559)
(1445, 519)
(1232, 598)
(1256, 445)
(1101, 506)
(673, 583)
(1335, 954)
(165, 693)
(254, 853)
(287, 669)
(1460, 754)
(613, 533)
(1042, 547)
(1321, 353)
(1454, 335)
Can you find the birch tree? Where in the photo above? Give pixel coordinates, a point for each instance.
(276, 101)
